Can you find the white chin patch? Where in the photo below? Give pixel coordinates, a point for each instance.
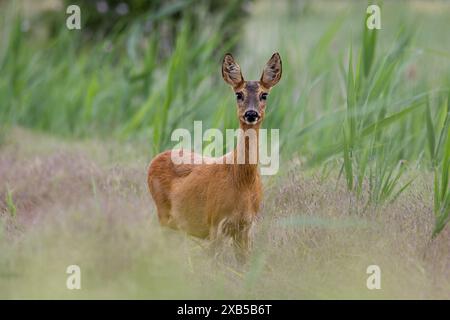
(251, 123)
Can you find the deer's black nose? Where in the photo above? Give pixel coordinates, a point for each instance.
(251, 116)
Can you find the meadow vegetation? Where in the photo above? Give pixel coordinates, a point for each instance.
(364, 122)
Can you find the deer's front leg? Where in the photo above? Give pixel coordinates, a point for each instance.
(242, 241)
(217, 235)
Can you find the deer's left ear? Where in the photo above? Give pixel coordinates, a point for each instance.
(272, 71)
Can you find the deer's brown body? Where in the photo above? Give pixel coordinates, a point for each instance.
(222, 198)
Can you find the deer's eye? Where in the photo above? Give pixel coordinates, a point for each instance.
(264, 96)
(239, 96)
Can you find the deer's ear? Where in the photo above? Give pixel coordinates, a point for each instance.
(272, 71)
(231, 72)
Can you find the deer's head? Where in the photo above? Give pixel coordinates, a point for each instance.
(251, 96)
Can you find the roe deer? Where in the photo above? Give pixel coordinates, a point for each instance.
(221, 198)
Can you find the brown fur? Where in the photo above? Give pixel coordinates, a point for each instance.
(210, 200)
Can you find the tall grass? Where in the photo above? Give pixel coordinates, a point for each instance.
(439, 149)
(119, 87)
(369, 151)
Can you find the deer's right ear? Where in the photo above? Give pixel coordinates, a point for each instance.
(231, 72)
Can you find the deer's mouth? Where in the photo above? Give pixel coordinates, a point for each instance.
(251, 122)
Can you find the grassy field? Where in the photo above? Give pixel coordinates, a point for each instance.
(365, 154)
(72, 209)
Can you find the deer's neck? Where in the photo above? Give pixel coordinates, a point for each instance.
(246, 156)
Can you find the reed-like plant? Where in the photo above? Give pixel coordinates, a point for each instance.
(439, 148)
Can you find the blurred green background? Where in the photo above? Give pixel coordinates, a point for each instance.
(139, 69)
